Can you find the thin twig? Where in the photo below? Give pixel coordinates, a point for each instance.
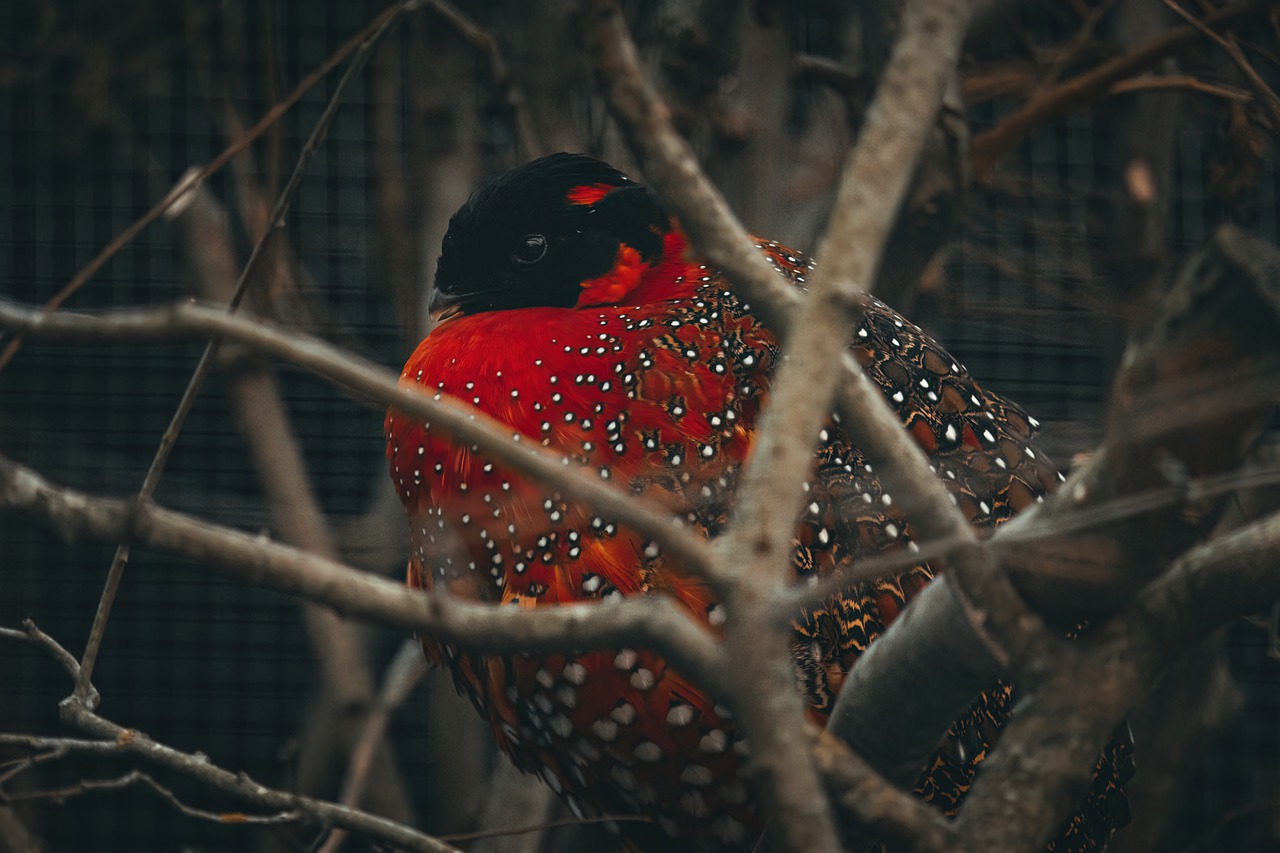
(510, 800)
(137, 777)
(405, 671)
(481, 835)
(796, 599)
(1179, 83)
(115, 740)
(991, 145)
(507, 92)
(877, 804)
(276, 222)
(1266, 95)
(193, 177)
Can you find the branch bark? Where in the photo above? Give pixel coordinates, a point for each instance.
(759, 541)
(654, 622)
(1046, 755)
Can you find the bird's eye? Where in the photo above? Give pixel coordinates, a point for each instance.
(531, 249)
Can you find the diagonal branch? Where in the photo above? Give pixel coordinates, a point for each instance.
(1266, 95)
(991, 145)
(114, 740)
(202, 232)
(192, 178)
(376, 383)
(1046, 756)
(881, 168)
(655, 622)
(167, 441)
(403, 674)
(138, 778)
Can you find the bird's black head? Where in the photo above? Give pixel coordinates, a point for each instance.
(561, 231)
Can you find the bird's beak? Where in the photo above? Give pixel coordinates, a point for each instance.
(443, 307)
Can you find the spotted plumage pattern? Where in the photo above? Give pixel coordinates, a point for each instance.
(575, 315)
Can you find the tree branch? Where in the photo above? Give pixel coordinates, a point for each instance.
(137, 777)
(670, 165)
(1046, 756)
(991, 145)
(276, 223)
(114, 740)
(403, 674)
(376, 383)
(652, 621)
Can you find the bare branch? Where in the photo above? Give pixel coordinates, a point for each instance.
(791, 601)
(276, 222)
(378, 384)
(932, 34)
(137, 777)
(876, 803)
(506, 90)
(341, 648)
(761, 535)
(670, 165)
(1179, 83)
(652, 621)
(991, 145)
(1266, 95)
(1047, 752)
(193, 177)
(115, 740)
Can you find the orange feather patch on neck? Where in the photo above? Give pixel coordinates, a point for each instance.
(589, 194)
(620, 280)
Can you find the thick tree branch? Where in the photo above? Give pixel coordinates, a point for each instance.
(876, 803)
(1046, 755)
(881, 168)
(1224, 311)
(669, 164)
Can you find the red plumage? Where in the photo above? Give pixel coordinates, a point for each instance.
(586, 326)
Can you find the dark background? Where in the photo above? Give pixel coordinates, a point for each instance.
(98, 101)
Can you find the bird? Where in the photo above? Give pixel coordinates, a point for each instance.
(571, 308)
